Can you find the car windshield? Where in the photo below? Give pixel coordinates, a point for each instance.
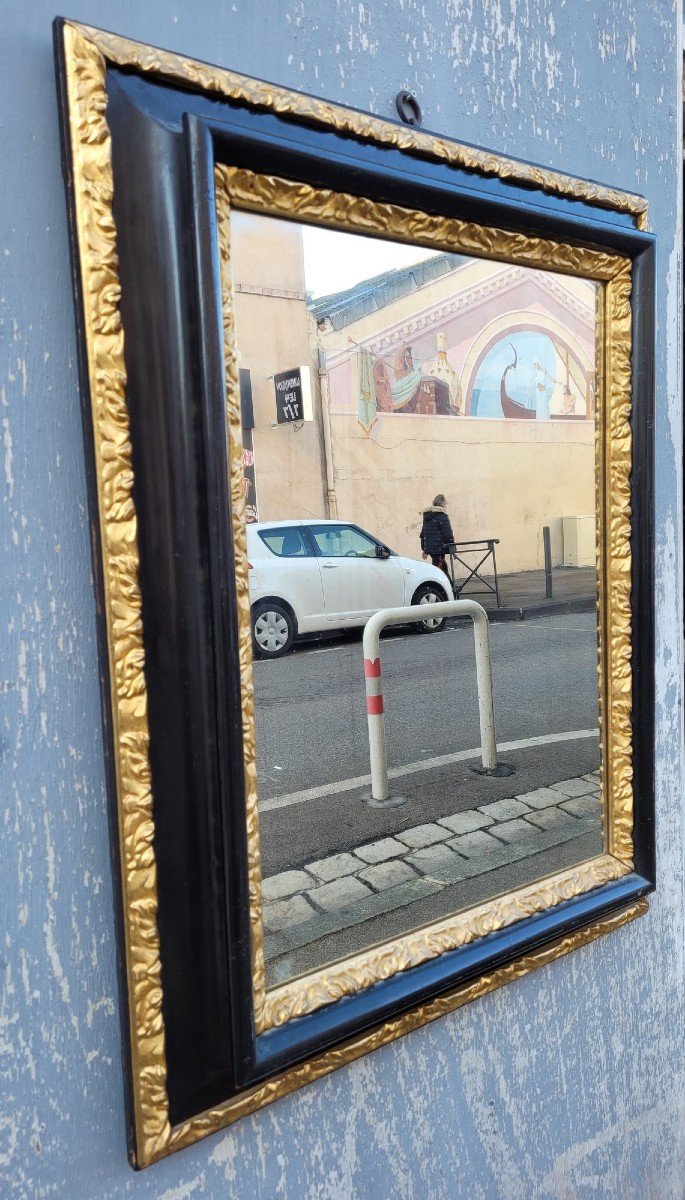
(343, 541)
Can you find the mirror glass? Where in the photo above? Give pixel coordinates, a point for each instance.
(417, 427)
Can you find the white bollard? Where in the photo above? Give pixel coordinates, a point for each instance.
(376, 722)
(374, 688)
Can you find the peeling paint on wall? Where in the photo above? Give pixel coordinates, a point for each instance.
(568, 1084)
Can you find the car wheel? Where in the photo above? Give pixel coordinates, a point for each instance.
(273, 629)
(429, 593)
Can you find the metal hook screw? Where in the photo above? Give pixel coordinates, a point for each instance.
(408, 107)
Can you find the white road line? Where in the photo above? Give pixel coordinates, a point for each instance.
(427, 764)
(531, 626)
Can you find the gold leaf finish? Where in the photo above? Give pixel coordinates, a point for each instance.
(617, 565)
(87, 53)
(285, 198)
(600, 550)
(235, 453)
(352, 974)
(272, 98)
(93, 190)
(290, 199)
(281, 1085)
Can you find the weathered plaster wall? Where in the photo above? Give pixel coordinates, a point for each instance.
(272, 335)
(503, 479)
(568, 1084)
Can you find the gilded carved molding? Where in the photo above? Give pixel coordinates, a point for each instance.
(235, 450)
(93, 192)
(340, 979)
(617, 565)
(87, 52)
(279, 197)
(259, 94)
(297, 1077)
(600, 548)
(288, 198)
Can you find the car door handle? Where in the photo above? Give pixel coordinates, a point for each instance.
(329, 566)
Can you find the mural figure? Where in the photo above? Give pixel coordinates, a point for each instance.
(528, 377)
(416, 392)
(383, 389)
(413, 391)
(367, 389)
(443, 369)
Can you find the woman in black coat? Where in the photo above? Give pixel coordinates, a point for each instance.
(436, 533)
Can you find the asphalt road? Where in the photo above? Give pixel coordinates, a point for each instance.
(312, 728)
(311, 714)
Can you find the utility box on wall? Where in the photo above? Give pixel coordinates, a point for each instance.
(579, 541)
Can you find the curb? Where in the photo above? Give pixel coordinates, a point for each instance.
(552, 608)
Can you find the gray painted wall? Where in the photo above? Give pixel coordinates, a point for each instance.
(566, 1084)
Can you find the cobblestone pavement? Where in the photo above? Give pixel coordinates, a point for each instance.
(346, 889)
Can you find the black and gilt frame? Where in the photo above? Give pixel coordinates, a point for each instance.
(157, 149)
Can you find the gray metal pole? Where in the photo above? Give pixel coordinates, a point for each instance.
(549, 590)
(331, 498)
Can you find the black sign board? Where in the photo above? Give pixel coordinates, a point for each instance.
(246, 406)
(291, 395)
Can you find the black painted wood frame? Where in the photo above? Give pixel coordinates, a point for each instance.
(165, 142)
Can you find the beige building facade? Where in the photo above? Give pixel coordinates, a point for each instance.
(410, 381)
(273, 334)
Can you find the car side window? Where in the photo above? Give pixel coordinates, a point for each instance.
(343, 541)
(286, 543)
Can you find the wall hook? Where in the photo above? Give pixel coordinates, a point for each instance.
(408, 107)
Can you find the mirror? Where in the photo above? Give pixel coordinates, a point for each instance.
(330, 826)
(417, 427)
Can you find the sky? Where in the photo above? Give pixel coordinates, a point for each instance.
(334, 261)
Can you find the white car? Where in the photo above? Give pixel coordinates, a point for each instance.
(313, 576)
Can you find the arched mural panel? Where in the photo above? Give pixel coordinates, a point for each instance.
(527, 365)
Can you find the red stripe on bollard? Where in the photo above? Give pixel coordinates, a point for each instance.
(374, 705)
(372, 668)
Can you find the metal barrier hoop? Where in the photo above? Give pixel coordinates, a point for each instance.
(374, 688)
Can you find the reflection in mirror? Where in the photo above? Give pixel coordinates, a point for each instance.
(417, 426)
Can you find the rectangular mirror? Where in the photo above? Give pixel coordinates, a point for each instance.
(450, 452)
(368, 418)
(445, 450)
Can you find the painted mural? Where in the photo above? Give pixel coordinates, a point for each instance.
(401, 385)
(485, 341)
(526, 375)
